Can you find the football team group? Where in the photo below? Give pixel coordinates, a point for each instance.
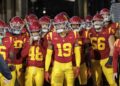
(59, 50)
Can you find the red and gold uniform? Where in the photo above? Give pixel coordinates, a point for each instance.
(5, 49)
(33, 52)
(16, 25)
(112, 28)
(100, 45)
(83, 77)
(18, 43)
(35, 64)
(63, 54)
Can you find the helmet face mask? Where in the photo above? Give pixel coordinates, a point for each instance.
(75, 27)
(16, 28)
(45, 27)
(106, 17)
(34, 30)
(35, 36)
(88, 25)
(2, 32)
(16, 25)
(45, 21)
(3, 29)
(98, 24)
(60, 27)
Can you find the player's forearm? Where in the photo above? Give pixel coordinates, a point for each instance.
(115, 60)
(48, 59)
(77, 56)
(4, 69)
(25, 51)
(111, 52)
(111, 44)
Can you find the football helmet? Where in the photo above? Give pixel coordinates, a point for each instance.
(64, 13)
(75, 23)
(31, 18)
(16, 25)
(88, 22)
(34, 29)
(45, 23)
(97, 22)
(105, 14)
(60, 23)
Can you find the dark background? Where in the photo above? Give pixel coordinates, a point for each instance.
(53, 7)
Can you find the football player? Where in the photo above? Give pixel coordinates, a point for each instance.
(33, 53)
(64, 43)
(111, 26)
(102, 44)
(45, 24)
(6, 51)
(16, 26)
(75, 23)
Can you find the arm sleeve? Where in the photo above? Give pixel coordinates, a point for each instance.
(4, 69)
(115, 60)
(77, 55)
(48, 59)
(25, 49)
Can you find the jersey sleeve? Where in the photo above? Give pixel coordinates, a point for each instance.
(25, 49)
(115, 56)
(49, 36)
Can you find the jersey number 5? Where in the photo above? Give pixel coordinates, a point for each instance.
(2, 51)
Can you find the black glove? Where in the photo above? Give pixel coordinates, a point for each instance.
(87, 54)
(12, 67)
(109, 62)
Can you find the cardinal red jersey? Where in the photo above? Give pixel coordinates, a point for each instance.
(100, 45)
(84, 34)
(6, 48)
(44, 43)
(63, 47)
(112, 28)
(116, 54)
(34, 54)
(19, 41)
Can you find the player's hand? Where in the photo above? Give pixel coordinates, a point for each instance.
(109, 62)
(115, 76)
(6, 81)
(89, 73)
(77, 72)
(47, 76)
(12, 67)
(22, 70)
